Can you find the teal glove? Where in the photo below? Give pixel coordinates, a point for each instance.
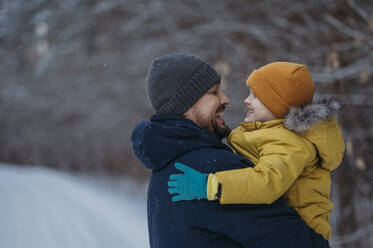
(191, 185)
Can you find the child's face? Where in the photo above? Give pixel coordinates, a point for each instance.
(256, 111)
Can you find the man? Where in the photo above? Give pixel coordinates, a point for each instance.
(187, 128)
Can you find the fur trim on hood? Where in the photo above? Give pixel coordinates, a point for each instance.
(301, 118)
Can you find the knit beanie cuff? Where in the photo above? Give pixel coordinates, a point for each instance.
(190, 92)
(263, 89)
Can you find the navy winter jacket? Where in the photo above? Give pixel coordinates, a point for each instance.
(167, 139)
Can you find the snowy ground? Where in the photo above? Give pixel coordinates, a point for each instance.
(43, 208)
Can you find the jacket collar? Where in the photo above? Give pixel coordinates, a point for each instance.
(166, 137)
(251, 126)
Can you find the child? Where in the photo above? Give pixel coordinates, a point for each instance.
(293, 143)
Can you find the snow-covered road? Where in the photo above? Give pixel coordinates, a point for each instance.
(43, 208)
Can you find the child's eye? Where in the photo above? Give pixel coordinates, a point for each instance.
(252, 94)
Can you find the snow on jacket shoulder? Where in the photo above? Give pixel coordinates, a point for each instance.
(293, 158)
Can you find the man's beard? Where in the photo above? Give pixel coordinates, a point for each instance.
(221, 132)
(212, 126)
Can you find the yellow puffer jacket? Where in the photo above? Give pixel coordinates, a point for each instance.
(293, 157)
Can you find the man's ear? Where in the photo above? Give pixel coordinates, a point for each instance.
(190, 114)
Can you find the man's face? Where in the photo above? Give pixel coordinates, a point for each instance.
(208, 110)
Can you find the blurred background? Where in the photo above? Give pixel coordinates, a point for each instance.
(72, 88)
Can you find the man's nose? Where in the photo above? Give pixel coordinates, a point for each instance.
(224, 99)
(247, 100)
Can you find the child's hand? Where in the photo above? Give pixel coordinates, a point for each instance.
(191, 185)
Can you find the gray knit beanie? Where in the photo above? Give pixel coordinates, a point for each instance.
(176, 81)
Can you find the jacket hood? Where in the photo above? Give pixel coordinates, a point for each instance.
(166, 137)
(302, 118)
(317, 123)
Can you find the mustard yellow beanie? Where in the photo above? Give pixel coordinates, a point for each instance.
(282, 85)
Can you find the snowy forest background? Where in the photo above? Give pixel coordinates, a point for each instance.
(72, 80)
